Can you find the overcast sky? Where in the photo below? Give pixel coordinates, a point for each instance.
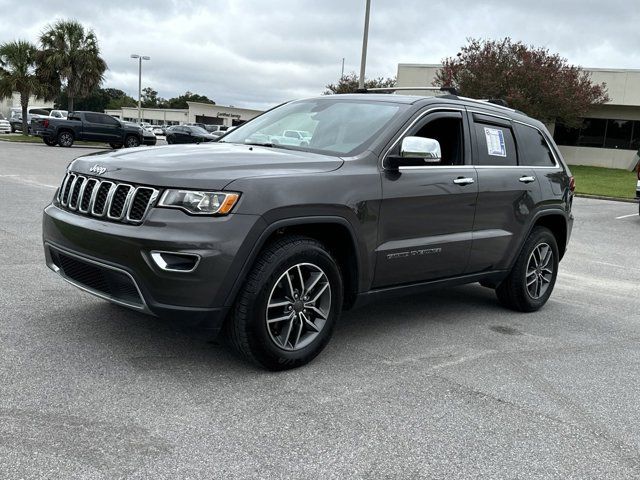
(254, 53)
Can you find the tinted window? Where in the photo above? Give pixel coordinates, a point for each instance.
(618, 134)
(592, 133)
(495, 145)
(110, 120)
(448, 132)
(92, 117)
(534, 149)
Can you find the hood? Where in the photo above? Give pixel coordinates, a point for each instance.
(202, 166)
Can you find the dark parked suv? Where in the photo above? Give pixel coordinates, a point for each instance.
(269, 242)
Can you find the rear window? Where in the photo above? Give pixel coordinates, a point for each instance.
(496, 145)
(534, 149)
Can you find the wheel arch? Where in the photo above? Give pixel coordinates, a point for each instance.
(336, 233)
(556, 222)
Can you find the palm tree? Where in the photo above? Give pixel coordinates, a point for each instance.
(18, 74)
(72, 53)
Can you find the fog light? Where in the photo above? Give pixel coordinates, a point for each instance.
(175, 262)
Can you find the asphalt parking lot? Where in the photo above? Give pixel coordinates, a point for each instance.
(445, 385)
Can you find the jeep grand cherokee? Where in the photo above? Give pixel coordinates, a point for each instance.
(270, 242)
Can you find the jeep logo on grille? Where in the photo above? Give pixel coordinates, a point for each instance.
(98, 169)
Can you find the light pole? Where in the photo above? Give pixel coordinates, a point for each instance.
(365, 37)
(140, 58)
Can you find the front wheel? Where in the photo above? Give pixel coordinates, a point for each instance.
(115, 146)
(65, 139)
(132, 141)
(51, 142)
(531, 280)
(285, 314)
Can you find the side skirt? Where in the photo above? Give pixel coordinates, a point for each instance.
(378, 294)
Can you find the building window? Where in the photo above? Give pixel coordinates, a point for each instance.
(600, 133)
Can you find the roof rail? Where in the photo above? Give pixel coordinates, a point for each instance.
(450, 90)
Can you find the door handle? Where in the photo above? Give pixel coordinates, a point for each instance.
(463, 181)
(527, 179)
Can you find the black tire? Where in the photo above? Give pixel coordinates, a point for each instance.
(13, 129)
(131, 141)
(51, 142)
(247, 330)
(115, 146)
(65, 139)
(513, 292)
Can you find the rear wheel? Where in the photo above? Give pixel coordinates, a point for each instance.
(65, 139)
(286, 311)
(115, 146)
(49, 141)
(530, 283)
(132, 141)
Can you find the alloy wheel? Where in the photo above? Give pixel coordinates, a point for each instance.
(539, 270)
(298, 306)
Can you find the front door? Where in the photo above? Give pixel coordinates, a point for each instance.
(427, 211)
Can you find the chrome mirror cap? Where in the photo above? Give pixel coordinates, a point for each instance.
(427, 149)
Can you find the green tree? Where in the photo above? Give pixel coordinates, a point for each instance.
(98, 100)
(181, 101)
(530, 79)
(150, 99)
(72, 53)
(18, 74)
(349, 84)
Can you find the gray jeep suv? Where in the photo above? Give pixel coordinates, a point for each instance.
(270, 242)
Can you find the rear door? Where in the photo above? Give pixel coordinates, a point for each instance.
(426, 215)
(508, 194)
(93, 128)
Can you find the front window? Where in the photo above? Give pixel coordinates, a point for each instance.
(334, 126)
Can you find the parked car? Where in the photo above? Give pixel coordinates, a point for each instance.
(92, 126)
(148, 137)
(188, 134)
(5, 126)
(215, 128)
(16, 119)
(393, 195)
(292, 137)
(59, 113)
(159, 129)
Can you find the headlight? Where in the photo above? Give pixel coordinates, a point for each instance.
(198, 202)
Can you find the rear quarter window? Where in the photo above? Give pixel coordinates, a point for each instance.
(534, 149)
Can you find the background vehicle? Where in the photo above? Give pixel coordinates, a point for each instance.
(393, 195)
(5, 126)
(188, 134)
(91, 126)
(215, 128)
(59, 113)
(148, 137)
(159, 129)
(292, 137)
(32, 112)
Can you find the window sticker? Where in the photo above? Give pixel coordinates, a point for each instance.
(495, 142)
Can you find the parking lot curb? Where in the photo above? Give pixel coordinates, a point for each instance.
(604, 197)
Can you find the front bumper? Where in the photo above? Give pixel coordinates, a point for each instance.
(199, 298)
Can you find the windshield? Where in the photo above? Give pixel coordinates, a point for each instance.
(333, 126)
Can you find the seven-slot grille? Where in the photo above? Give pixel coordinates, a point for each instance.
(116, 201)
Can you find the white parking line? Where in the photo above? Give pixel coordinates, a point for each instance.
(625, 216)
(26, 181)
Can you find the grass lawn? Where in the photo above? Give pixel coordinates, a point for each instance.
(31, 139)
(610, 182)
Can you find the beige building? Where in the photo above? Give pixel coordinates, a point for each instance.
(610, 135)
(196, 113)
(13, 102)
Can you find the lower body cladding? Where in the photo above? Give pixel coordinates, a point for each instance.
(175, 266)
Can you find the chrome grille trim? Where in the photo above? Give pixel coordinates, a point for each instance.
(152, 200)
(69, 183)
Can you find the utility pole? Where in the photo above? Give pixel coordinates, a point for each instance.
(342, 71)
(140, 58)
(365, 37)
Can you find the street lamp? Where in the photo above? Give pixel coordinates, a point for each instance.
(365, 37)
(140, 58)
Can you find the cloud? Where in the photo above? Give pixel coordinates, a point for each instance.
(254, 53)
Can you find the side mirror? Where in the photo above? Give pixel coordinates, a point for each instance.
(426, 149)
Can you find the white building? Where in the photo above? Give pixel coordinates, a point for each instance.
(12, 102)
(196, 113)
(610, 135)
